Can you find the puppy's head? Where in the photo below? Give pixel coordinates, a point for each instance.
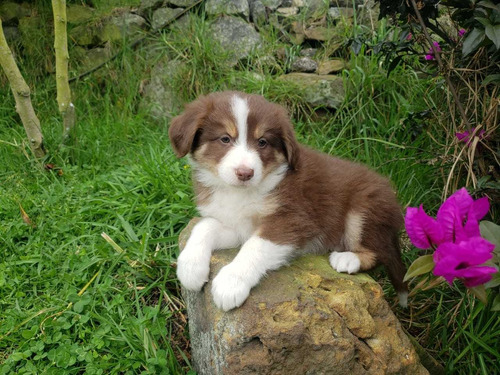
(238, 138)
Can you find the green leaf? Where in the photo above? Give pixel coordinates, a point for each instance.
(493, 33)
(29, 333)
(128, 228)
(489, 4)
(472, 41)
(491, 78)
(495, 281)
(17, 356)
(491, 232)
(78, 307)
(480, 293)
(496, 303)
(483, 20)
(420, 266)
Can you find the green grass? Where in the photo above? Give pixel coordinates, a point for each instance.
(75, 301)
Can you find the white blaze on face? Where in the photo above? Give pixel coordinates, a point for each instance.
(240, 155)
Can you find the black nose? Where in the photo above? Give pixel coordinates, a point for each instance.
(243, 173)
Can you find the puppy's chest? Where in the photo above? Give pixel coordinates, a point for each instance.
(240, 209)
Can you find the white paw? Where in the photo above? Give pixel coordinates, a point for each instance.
(192, 269)
(229, 289)
(345, 262)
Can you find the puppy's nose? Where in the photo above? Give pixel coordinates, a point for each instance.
(244, 173)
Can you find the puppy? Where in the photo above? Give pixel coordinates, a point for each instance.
(258, 188)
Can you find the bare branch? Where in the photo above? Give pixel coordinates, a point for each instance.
(22, 94)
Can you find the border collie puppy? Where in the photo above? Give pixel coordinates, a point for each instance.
(257, 188)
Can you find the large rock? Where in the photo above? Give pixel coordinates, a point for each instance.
(148, 6)
(304, 64)
(11, 12)
(182, 3)
(236, 36)
(110, 29)
(258, 12)
(164, 16)
(125, 25)
(229, 7)
(331, 66)
(77, 14)
(302, 319)
(159, 98)
(324, 90)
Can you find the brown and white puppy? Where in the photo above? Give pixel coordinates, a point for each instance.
(257, 188)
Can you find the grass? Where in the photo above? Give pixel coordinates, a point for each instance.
(87, 283)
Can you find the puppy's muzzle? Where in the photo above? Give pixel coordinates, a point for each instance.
(244, 173)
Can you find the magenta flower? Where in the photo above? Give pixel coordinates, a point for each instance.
(457, 220)
(437, 46)
(459, 216)
(465, 261)
(465, 136)
(422, 229)
(430, 52)
(461, 251)
(461, 32)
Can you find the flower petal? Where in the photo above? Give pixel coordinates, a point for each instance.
(421, 228)
(464, 261)
(453, 212)
(478, 275)
(479, 208)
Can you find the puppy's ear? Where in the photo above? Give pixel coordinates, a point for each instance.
(289, 142)
(184, 127)
(291, 147)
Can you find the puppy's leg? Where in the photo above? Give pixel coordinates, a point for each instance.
(232, 285)
(353, 261)
(193, 264)
(356, 257)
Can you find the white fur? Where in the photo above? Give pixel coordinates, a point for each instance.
(240, 156)
(346, 261)
(235, 207)
(353, 230)
(193, 264)
(239, 107)
(403, 299)
(231, 287)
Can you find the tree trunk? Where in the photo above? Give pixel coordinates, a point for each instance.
(21, 93)
(66, 107)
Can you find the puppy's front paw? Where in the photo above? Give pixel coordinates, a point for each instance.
(345, 262)
(229, 289)
(192, 269)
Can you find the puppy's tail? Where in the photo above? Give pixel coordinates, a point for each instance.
(396, 271)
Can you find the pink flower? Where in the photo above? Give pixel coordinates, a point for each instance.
(430, 52)
(465, 136)
(422, 229)
(461, 32)
(461, 251)
(465, 261)
(459, 216)
(409, 36)
(457, 220)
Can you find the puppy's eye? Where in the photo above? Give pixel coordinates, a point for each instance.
(225, 139)
(262, 143)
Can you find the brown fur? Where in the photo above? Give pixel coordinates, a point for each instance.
(310, 206)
